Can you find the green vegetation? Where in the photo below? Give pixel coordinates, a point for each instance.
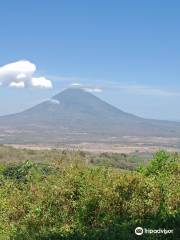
(118, 160)
(68, 198)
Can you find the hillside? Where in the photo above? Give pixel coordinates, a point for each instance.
(75, 115)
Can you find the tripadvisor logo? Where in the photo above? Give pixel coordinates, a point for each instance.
(140, 231)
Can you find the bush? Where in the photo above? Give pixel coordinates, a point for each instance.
(80, 202)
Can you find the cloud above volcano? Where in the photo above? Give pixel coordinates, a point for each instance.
(20, 74)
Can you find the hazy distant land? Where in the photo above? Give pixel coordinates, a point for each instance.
(76, 119)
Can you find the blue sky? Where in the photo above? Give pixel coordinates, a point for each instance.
(129, 49)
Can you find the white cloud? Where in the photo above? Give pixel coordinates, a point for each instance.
(17, 84)
(41, 82)
(96, 90)
(76, 84)
(54, 101)
(20, 74)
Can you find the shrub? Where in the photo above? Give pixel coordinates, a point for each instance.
(66, 200)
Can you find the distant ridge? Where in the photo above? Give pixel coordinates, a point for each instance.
(75, 115)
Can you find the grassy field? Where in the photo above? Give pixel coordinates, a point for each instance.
(75, 195)
(12, 155)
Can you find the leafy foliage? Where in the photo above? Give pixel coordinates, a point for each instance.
(68, 199)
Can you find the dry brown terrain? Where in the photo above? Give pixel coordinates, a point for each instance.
(125, 145)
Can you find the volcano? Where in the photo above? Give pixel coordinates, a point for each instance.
(75, 115)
